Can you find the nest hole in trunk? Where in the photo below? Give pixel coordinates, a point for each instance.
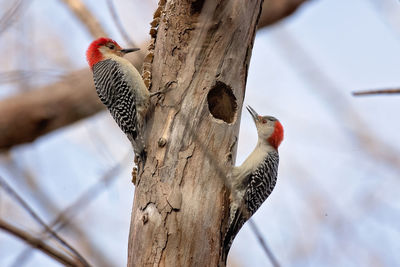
(222, 102)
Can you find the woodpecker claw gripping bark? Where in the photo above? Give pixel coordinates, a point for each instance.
(253, 181)
(121, 89)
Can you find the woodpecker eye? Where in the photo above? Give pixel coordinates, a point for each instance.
(111, 46)
(264, 121)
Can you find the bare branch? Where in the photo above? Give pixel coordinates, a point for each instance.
(86, 17)
(118, 23)
(64, 217)
(57, 105)
(12, 15)
(87, 197)
(34, 215)
(377, 92)
(41, 111)
(276, 10)
(37, 243)
(15, 76)
(263, 243)
(331, 94)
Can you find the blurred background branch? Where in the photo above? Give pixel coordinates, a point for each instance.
(66, 216)
(118, 23)
(37, 243)
(7, 188)
(270, 255)
(83, 14)
(377, 92)
(275, 10)
(330, 93)
(12, 14)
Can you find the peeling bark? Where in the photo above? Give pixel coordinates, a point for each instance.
(181, 204)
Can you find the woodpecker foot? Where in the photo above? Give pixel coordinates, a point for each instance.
(156, 93)
(140, 160)
(164, 90)
(229, 155)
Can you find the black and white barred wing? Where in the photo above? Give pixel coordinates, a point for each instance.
(116, 95)
(261, 183)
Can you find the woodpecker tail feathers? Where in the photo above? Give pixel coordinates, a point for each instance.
(141, 158)
(236, 222)
(140, 151)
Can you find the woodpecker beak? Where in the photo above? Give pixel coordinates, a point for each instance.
(126, 51)
(253, 113)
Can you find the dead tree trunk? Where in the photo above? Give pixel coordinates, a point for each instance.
(202, 51)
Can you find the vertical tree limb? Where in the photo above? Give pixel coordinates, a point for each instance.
(181, 206)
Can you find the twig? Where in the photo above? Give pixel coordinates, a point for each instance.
(11, 15)
(328, 90)
(87, 197)
(274, 11)
(16, 75)
(377, 92)
(118, 23)
(263, 244)
(31, 212)
(339, 216)
(65, 216)
(86, 17)
(37, 243)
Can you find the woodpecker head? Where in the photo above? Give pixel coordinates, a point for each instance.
(268, 128)
(104, 48)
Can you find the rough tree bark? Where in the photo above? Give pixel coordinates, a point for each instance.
(46, 118)
(181, 205)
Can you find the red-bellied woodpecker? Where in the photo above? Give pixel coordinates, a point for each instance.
(254, 180)
(121, 89)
